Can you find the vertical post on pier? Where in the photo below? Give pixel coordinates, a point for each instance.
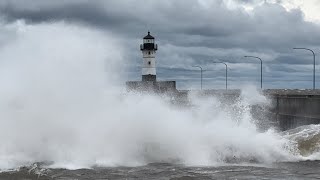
(314, 66)
(260, 67)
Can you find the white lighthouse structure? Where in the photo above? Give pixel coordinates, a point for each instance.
(149, 81)
(149, 49)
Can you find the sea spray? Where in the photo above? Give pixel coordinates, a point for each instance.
(61, 102)
(306, 140)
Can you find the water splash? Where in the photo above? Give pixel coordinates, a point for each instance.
(306, 140)
(61, 102)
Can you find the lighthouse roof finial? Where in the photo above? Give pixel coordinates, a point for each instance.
(148, 36)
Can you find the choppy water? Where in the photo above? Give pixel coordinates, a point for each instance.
(292, 170)
(66, 107)
(306, 138)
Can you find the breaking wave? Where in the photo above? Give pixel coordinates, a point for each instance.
(306, 140)
(61, 103)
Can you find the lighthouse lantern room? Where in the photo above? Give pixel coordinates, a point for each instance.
(149, 49)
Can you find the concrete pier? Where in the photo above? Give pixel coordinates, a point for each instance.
(294, 108)
(289, 108)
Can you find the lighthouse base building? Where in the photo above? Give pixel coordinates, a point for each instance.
(152, 86)
(149, 77)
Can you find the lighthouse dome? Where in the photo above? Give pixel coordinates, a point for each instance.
(148, 36)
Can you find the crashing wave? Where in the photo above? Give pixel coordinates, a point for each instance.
(307, 139)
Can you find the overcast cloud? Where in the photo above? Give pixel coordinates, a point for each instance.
(190, 32)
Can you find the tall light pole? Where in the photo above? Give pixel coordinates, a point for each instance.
(200, 74)
(260, 68)
(226, 73)
(314, 66)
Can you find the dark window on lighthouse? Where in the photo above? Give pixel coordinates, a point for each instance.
(149, 52)
(149, 62)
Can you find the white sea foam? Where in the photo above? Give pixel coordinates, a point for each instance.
(61, 102)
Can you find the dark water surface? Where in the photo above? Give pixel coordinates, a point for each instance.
(292, 170)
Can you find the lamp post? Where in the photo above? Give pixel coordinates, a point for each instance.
(226, 73)
(314, 66)
(200, 74)
(260, 68)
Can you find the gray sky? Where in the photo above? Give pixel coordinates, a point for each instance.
(191, 32)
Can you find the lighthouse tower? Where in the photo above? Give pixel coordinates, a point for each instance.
(149, 49)
(149, 81)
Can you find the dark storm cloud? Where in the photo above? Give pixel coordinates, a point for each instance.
(294, 59)
(92, 14)
(189, 32)
(217, 26)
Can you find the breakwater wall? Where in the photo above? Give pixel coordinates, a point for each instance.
(294, 108)
(288, 109)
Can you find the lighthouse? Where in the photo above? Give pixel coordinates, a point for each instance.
(149, 81)
(148, 49)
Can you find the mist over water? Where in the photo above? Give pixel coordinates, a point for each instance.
(63, 101)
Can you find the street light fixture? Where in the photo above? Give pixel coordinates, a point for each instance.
(226, 73)
(200, 74)
(260, 68)
(314, 66)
